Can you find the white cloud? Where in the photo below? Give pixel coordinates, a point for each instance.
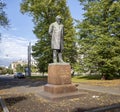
(13, 27)
(12, 47)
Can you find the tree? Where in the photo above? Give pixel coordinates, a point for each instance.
(4, 70)
(9, 71)
(99, 37)
(43, 13)
(3, 18)
(20, 68)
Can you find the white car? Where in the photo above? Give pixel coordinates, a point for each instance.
(19, 75)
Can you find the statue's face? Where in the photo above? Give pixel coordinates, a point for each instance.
(58, 20)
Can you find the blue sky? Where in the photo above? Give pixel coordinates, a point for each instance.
(20, 25)
(16, 38)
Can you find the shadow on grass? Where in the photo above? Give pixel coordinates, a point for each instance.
(0, 108)
(10, 101)
(37, 77)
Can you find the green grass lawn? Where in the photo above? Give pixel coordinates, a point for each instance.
(37, 77)
(95, 80)
(85, 78)
(91, 79)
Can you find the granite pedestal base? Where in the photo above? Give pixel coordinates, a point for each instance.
(59, 81)
(59, 89)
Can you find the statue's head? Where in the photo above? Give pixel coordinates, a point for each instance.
(58, 19)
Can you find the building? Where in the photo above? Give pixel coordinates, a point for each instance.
(14, 64)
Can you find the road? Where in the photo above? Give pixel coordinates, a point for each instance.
(9, 84)
(6, 78)
(7, 81)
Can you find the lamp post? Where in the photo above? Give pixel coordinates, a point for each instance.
(29, 59)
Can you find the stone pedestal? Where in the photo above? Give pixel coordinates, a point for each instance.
(59, 83)
(59, 79)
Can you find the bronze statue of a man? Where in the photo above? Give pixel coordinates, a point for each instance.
(56, 30)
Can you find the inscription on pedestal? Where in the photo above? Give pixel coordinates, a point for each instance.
(65, 79)
(64, 71)
(59, 74)
(59, 79)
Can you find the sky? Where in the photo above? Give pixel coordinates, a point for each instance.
(15, 40)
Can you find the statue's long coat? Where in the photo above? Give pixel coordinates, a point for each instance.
(56, 30)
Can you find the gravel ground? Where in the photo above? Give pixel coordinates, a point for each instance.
(20, 96)
(87, 102)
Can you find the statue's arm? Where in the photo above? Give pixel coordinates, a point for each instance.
(63, 31)
(50, 29)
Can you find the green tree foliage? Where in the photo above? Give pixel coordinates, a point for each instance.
(3, 18)
(9, 71)
(34, 68)
(20, 68)
(44, 13)
(99, 37)
(4, 70)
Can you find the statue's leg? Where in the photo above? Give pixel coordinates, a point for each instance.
(60, 57)
(55, 56)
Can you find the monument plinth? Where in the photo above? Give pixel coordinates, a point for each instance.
(59, 73)
(59, 79)
(59, 82)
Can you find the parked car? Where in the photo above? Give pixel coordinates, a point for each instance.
(19, 75)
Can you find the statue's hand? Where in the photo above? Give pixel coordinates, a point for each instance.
(50, 34)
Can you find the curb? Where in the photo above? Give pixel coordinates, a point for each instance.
(107, 108)
(5, 109)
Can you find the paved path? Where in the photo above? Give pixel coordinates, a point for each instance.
(109, 90)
